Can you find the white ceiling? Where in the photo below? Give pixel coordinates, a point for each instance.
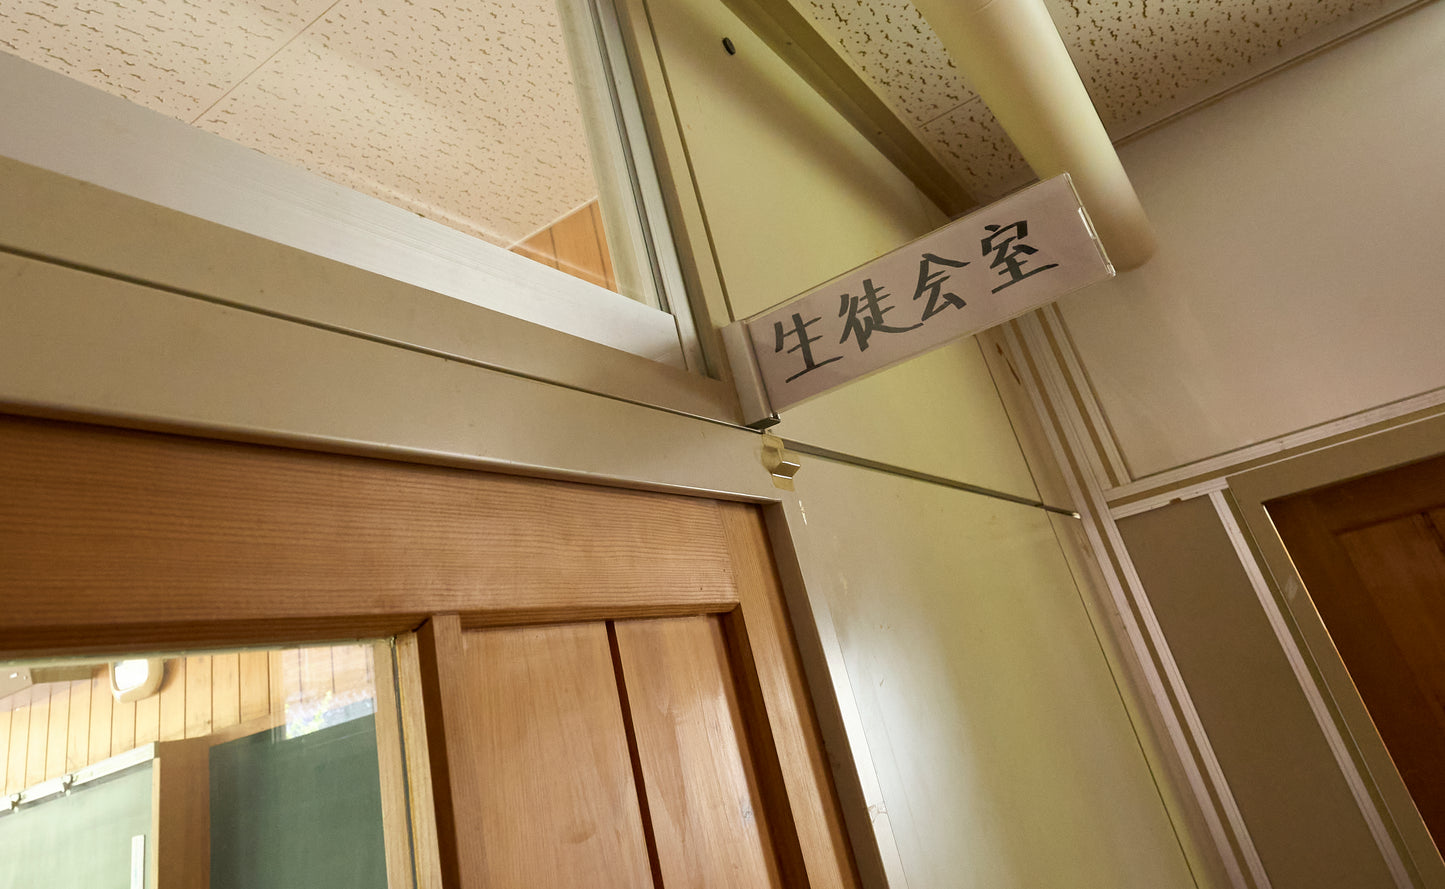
(459, 110)
(1140, 60)
(463, 111)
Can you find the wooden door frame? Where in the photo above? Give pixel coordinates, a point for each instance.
(113, 540)
(1370, 771)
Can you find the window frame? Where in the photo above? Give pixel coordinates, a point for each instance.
(68, 127)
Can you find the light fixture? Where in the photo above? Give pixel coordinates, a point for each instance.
(135, 678)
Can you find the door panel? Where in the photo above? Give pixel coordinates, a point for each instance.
(545, 730)
(699, 777)
(1372, 555)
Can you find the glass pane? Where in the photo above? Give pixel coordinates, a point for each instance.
(464, 113)
(276, 752)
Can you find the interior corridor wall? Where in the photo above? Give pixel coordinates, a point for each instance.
(1004, 750)
(1298, 273)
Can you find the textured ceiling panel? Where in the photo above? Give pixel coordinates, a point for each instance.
(970, 140)
(1137, 57)
(176, 56)
(890, 44)
(463, 110)
(460, 111)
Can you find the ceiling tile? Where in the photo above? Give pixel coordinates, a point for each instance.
(175, 56)
(890, 44)
(1136, 56)
(973, 145)
(462, 112)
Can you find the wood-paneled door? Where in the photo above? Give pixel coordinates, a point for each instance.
(598, 686)
(1371, 553)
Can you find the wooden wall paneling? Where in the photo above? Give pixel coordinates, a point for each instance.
(122, 726)
(102, 707)
(19, 742)
(288, 666)
(316, 674)
(55, 735)
(254, 670)
(699, 778)
(350, 675)
(173, 700)
(539, 248)
(225, 690)
(198, 696)
(608, 271)
(39, 728)
(778, 704)
(77, 734)
(391, 767)
(575, 244)
(352, 546)
(425, 853)
(4, 747)
(148, 716)
(579, 249)
(181, 815)
(276, 696)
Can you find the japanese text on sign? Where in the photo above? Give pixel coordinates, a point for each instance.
(1015, 255)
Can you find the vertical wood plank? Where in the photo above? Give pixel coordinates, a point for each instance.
(456, 780)
(781, 714)
(425, 850)
(349, 673)
(58, 732)
(608, 272)
(255, 680)
(538, 248)
(122, 727)
(77, 735)
(290, 676)
(180, 815)
(101, 711)
(148, 716)
(316, 674)
(6, 708)
(392, 771)
(574, 239)
(19, 741)
(225, 690)
(173, 701)
(198, 696)
(699, 778)
(39, 728)
(542, 723)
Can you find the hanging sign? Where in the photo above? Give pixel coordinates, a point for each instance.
(1012, 256)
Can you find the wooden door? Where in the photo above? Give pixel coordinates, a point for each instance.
(604, 688)
(617, 754)
(1371, 553)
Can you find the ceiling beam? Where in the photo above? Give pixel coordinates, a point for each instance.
(794, 38)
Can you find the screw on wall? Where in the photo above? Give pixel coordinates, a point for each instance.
(728, 45)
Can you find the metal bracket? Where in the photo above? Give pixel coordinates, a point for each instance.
(752, 396)
(781, 464)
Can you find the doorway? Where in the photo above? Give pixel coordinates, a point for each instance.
(1371, 552)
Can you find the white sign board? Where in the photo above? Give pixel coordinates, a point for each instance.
(1012, 256)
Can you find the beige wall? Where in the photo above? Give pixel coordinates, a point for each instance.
(1298, 276)
(1005, 754)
